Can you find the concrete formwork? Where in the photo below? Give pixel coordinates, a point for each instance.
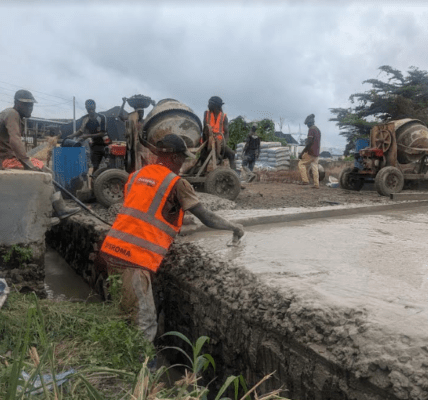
(25, 216)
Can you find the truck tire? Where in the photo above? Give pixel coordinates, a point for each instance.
(346, 181)
(389, 180)
(223, 182)
(109, 186)
(321, 173)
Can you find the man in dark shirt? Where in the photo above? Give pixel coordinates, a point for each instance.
(94, 127)
(251, 153)
(309, 155)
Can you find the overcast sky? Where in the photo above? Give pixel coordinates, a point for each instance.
(266, 60)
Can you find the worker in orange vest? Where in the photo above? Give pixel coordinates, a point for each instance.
(215, 120)
(152, 215)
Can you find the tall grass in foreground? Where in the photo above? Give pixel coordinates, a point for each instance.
(36, 353)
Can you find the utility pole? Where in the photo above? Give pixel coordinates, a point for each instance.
(74, 114)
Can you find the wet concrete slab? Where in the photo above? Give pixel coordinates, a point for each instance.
(362, 259)
(371, 269)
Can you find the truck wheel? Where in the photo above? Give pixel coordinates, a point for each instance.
(321, 173)
(389, 180)
(109, 186)
(223, 182)
(349, 182)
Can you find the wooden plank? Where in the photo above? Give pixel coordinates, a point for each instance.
(409, 196)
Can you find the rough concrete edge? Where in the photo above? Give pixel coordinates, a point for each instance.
(215, 278)
(279, 218)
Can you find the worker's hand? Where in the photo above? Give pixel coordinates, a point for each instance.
(83, 137)
(238, 232)
(124, 99)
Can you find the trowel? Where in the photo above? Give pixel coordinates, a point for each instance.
(235, 241)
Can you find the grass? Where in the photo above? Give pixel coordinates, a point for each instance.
(110, 357)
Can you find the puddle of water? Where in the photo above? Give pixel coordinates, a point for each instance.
(62, 282)
(370, 257)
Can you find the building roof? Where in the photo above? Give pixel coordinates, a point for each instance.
(287, 136)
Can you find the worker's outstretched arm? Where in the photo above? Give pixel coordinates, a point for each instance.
(214, 221)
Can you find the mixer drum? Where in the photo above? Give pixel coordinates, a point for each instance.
(171, 116)
(411, 136)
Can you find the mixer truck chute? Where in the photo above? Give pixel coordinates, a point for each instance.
(397, 154)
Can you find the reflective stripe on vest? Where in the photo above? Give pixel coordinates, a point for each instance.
(216, 125)
(140, 235)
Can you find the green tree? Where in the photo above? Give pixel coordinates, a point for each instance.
(239, 129)
(395, 97)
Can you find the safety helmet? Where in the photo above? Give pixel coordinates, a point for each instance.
(216, 100)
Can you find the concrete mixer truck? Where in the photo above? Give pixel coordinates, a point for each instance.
(397, 154)
(207, 170)
(167, 116)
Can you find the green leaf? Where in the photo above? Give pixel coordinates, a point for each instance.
(226, 384)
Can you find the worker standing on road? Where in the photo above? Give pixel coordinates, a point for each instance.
(251, 153)
(152, 215)
(309, 155)
(215, 121)
(12, 150)
(94, 127)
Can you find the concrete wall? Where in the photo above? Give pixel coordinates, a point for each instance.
(253, 330)
(25, 213)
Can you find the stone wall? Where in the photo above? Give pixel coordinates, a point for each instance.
(78, 240)
(253, 329)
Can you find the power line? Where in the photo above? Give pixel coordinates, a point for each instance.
(35, 91)
(13, 90)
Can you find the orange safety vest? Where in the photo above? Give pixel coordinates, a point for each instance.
(216, 125)
(140, 234)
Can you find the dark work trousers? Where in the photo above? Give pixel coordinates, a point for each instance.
(97, 154)
(249, 160)
(230, 155)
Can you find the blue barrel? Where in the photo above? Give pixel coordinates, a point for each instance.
(359, 145)
(70, 167)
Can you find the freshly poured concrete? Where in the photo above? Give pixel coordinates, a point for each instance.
(363, 259)
(367, 273)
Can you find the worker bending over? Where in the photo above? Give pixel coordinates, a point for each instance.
(12, 150)
(215, 121)
(152, 215)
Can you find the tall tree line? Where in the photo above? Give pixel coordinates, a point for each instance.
(396, 96)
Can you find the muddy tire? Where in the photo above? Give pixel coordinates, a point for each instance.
(389, 180)
(321, 173)
(223, 182)
(348, 182)
(109, 186)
